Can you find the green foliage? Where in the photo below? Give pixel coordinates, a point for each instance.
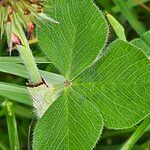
(107, 83)
(115, 88)
(119, 90)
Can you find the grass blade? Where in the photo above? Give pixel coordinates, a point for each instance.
(20, 70)
(12, 126)
(130, 16)
(137, 134)
(15, 92)
(15, 69)
(131, 4)
(3, 147)
(40, 60)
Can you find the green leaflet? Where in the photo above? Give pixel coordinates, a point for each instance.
(67, 44)
(71, 123)
(119, 85)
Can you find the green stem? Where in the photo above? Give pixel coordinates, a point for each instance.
(28, 60)
(137, 134)
(26, 55)
(12, 126)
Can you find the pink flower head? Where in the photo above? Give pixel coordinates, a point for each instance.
(15, 39)
(31, 27)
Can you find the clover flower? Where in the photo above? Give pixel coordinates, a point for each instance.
(17, 21)
(19, 17)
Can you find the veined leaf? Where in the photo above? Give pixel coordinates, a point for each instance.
(74, 43)
(74, 123)
(15, 92)
(119, 84)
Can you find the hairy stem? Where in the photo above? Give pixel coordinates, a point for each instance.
(25, 53)
(28, 60)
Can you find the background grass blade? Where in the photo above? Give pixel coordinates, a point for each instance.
(130, 16)
(3, 147)
(23, 111)
(137, 134)
(20, 70)
(40, 60)
(12, 126)
(15, 92)
(15, 69)
(130, 3)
